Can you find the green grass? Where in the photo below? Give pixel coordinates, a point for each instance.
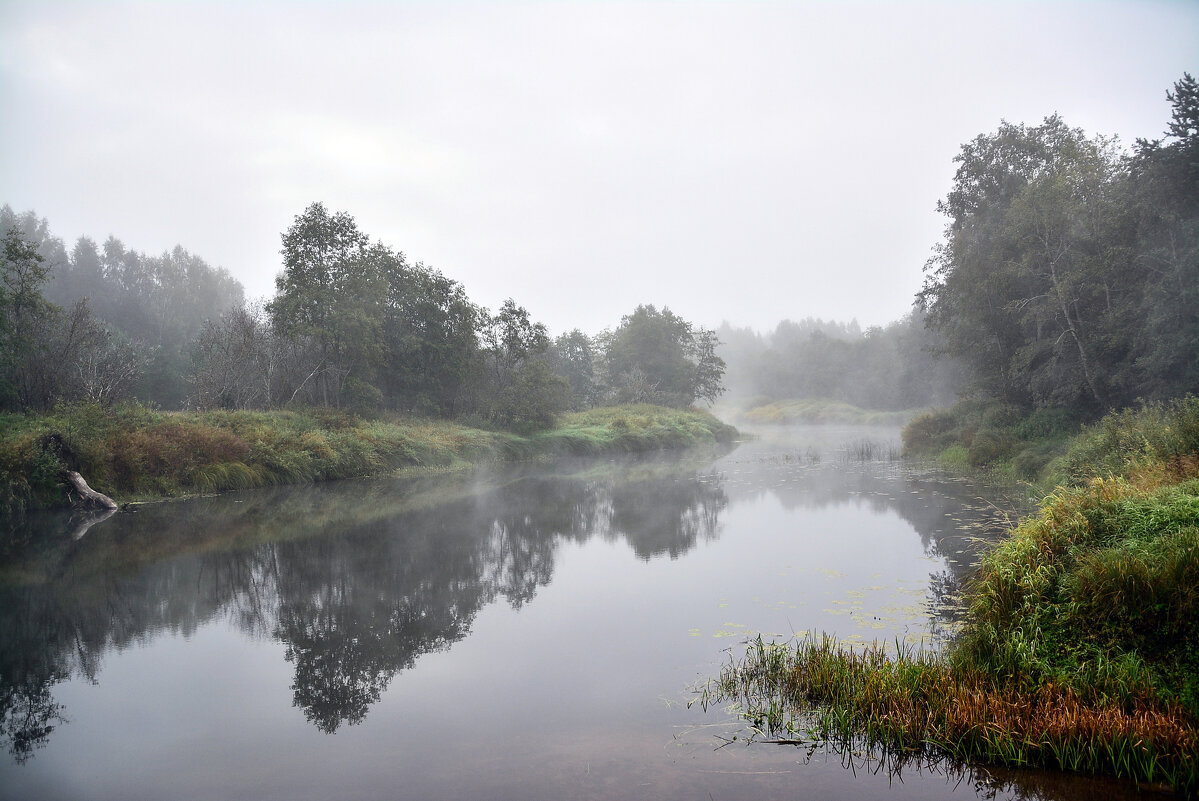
(1081, 644)
(992, 436)
(134, 453)
(1052, 447)
(821, 411)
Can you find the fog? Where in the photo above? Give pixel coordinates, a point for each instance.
(741, 162)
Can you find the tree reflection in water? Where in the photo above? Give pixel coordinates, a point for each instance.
(357, 580)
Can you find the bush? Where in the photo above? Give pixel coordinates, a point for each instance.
(988, 446)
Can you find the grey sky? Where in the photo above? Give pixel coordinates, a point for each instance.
(739, 161)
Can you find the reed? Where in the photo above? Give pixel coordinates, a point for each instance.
(910, 703)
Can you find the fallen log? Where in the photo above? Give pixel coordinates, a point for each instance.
(89, 496)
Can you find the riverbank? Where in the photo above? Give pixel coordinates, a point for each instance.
(134, 453)
(992, 436)
(1081, 645)
(819, 411)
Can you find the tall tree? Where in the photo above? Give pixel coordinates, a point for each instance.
(330, 291)
(431, 350)
(1069, 274)
(25, 317)
(657, 356)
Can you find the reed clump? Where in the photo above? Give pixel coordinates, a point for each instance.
(912, 702)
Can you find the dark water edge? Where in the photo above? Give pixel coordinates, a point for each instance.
(527, 633)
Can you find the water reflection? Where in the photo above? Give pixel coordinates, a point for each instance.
(357, 579)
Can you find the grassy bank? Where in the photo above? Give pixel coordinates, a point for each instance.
(1081, 649)
(818, 411)
(135, 453)
(993, 436)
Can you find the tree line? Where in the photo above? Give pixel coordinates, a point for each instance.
(353, 324)
(1069, 271)
(891, 368)
(1068, 278)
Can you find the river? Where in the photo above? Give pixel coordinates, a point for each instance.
(532, 632)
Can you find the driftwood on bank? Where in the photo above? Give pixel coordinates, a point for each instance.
(89, 497)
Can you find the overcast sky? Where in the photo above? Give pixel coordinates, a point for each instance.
(734, 161)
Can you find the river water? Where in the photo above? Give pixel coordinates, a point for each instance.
(534, 632)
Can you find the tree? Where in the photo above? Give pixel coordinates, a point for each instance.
(235, 361)
(1022, 287)
(330, 292)
(430, 331)
(533, 398)
(1164, 197)
(573, 357)
(25, 318)
(1069, 273)
(657, 356)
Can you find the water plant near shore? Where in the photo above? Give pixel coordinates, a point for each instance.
(909, 703)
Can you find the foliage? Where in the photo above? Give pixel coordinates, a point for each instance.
(534, 398)
(992, 435)
(328, 292)
(48, 353)
(894, 368)
(1069, 273)
(354, 325)
(23, 315)
(658, 357)
(139, 313)
(1052, 446)
(573, 356)
(431, 346)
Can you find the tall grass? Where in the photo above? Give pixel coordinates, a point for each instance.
(1053, 446)
(909, 703)
(133, 452)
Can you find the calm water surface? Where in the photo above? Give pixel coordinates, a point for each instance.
(533, 633)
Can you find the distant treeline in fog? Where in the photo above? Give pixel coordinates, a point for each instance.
(353, 324)
(891, 368)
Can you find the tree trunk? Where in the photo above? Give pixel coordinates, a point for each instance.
(89, 496)
(1070, 326)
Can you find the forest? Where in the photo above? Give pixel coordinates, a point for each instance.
(1069, 272)
(354, 325)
